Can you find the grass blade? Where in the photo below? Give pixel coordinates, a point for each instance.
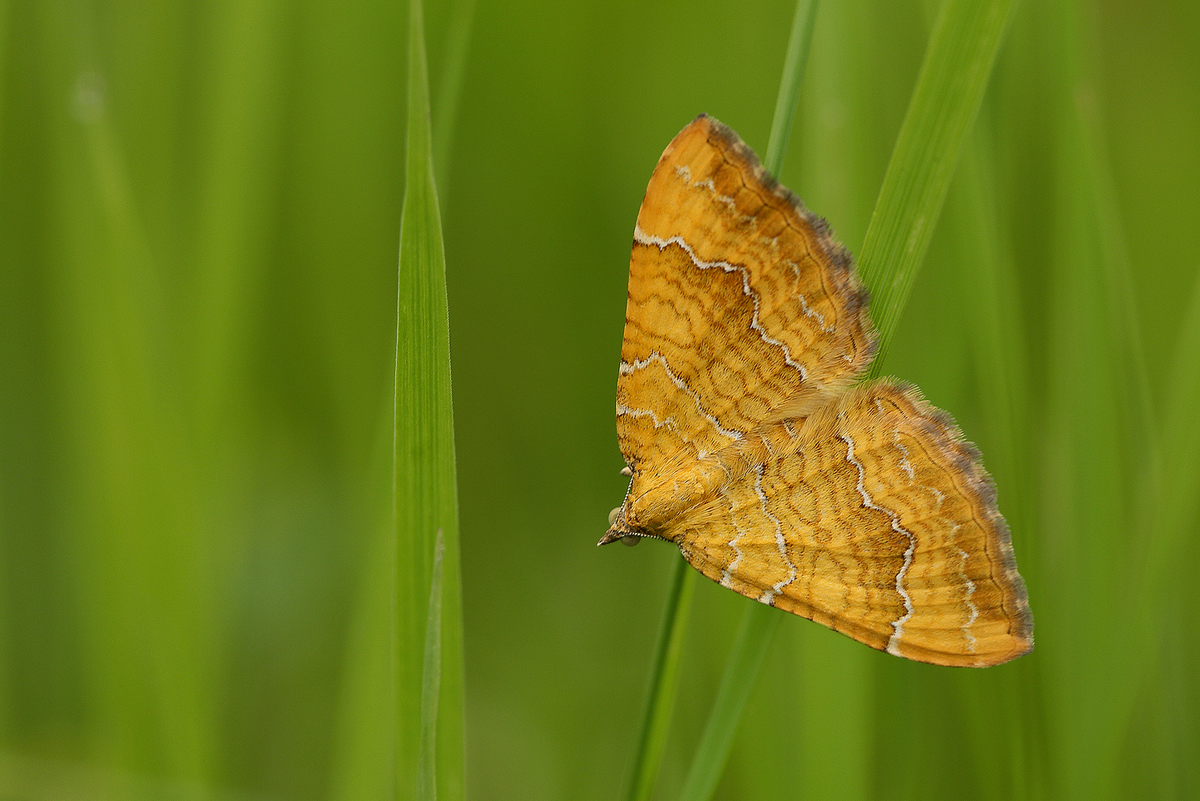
(758, 626)
(789, 87)
(450, 86)
(664, 677)
(426, 493)
(945, 102)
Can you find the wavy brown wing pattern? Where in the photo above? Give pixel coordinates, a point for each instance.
(738, 296)
(871, 516)
(859, 507)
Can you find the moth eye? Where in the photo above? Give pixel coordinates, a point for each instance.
(630, 539)
(627, 471)
(612, 516)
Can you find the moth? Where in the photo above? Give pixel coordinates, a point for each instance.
(754, 446)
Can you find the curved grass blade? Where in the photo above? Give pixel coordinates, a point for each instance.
(789, 86)
(749, 650)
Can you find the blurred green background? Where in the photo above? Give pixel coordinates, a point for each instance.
(199, 210)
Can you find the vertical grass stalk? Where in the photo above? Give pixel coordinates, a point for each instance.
(664, 681)
(425, 480)
(945, 101)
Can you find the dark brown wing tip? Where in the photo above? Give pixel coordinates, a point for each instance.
(835, 252)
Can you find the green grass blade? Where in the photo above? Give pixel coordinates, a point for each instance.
(426, 494)
(789, 87)
(664, 677)
(944, 104)
(1116, 546)
(1182, 431)
(365, 749)
(758, 626)
(137, 555)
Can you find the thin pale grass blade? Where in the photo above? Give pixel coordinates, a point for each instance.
(240, 130)
(1158, 512)
(664, 675)
(1180, 501)
(426, 493)
(989, 273)
(945, 101)
(789, 87)
(3, 60)
(431, 679)
(1159, 578)
(1085, 451)
(749, 650)
(993, 324)
(1111, 470)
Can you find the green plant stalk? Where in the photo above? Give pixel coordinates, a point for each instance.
(789, 86)
(958, 62)
(664, 681)
(425, 480)
(758, 626)
(945, 102)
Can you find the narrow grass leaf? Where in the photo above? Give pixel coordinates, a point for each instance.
(365, 748)
(993, 322)
(664, 678)
(426, 493)
(944, 104)
(1180, 501)
(789, 87)
(446, 105)
(749, 650)
(1087, 515)
(147, 603)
